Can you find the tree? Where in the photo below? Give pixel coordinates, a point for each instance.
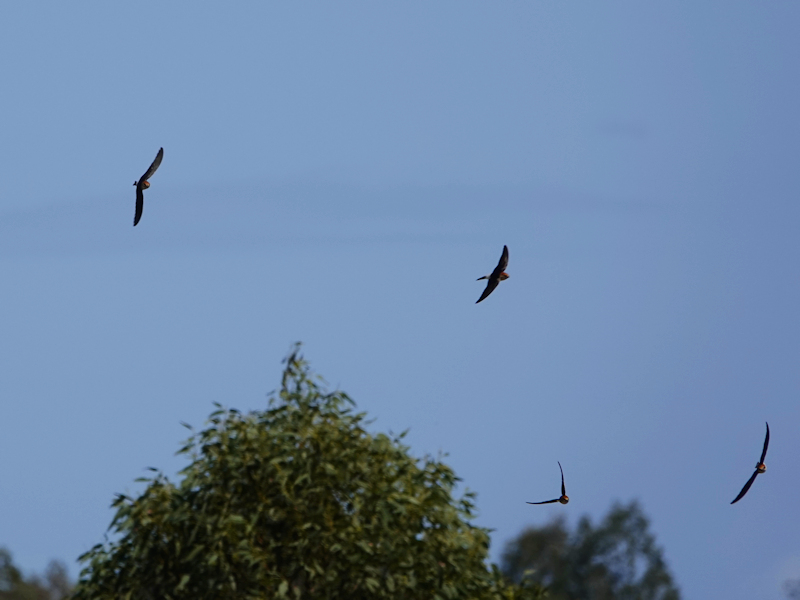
(13, 586)
(297, 501)
(618, 560)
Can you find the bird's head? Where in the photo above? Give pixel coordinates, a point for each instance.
(761, 468)
(503, 276)
(145, 185)
(564, 499)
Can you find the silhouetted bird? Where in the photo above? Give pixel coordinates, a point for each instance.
(497, 275)
(760, 468)
(143, 184)
(563, 499)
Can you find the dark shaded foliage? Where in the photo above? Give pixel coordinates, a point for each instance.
(297, 501)
(617, 560)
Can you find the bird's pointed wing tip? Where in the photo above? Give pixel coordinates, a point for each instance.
(491, 284)
(503, 263)
(745, 488)
(766, 445)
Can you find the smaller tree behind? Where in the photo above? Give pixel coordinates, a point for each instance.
(55, 584)
(617, 560)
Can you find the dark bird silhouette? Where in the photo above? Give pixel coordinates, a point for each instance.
(497, 275)
(563, 499)
(760, 468)
(143, 184)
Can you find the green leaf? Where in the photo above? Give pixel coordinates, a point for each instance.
(184, 580)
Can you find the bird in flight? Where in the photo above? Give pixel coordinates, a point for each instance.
(563, 499)
(760, 468)
(143, 184)
(497, 275)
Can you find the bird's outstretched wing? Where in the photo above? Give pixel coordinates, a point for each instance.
(766, 444)
(745, 488)
(563, 488)
(490, 285)
(545, 502)
(139, 205)
(152, 168)
(501, 266)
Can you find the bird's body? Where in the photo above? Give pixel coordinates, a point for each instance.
(760, 468)
(142, 184)
(496, 276)
(563, 499)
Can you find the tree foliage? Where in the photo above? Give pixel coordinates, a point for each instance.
(297, 501)
(54, 585)
(617, 560)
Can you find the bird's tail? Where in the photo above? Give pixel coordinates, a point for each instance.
(484, 277)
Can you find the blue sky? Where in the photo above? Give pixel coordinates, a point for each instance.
(340, 174)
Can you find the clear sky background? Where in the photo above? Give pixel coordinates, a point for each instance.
(340, 174)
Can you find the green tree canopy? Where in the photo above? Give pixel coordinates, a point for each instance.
(297, 501)
(617, 560)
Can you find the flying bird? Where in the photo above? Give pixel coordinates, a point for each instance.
(563, 499)
(760, 468)
(143, 184)
(497, 275)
